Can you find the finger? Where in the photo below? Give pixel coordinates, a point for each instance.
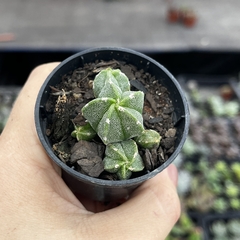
(20, 128)
(21, 117)
(23, 144)
(151, 212)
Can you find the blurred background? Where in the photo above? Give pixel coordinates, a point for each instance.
(198, 41)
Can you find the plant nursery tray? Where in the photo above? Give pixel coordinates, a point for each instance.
(213, 143)
(215, 114)
(209, 84)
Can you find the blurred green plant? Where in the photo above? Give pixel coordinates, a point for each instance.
(235, 204)
(189, 147)
(213, 187)
(236, 170)
(185, 229)
(225, 229)
(231, 189)
(220, 205)
(222, 108)
(219, 229)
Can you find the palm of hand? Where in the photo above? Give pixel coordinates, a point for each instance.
(35, 203)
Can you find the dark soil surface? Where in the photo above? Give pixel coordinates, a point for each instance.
(75, 90)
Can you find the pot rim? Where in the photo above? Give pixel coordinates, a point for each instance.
(102, 182)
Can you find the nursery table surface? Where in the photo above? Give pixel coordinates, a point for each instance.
(137, 24)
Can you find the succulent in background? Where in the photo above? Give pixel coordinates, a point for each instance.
(194, 92)
(189, 166)
(217, 188)
(212, 176)
(213, 185)
(231, 109)
(219, 229)
(235, 203)
(228, 229)
(236, 170)
(184, 182)
(223, 169)
(221, 238)
(203, 165)
(216, 105)
(221, 108)
(200, 198)
(220, 205)
(185, 229)
(189, 147)
(233, 226)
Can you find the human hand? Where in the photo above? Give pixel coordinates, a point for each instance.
(35, 202)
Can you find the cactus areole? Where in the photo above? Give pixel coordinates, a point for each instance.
(115, 115)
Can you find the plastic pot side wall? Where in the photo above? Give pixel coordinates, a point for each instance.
(106, 190)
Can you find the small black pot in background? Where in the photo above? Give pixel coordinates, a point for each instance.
(94, 188)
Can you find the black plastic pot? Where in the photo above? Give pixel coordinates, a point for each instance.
(106, 190)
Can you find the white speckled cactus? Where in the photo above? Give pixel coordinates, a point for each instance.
(148, 139)
(110, 83)
(123, 159)
(116, 113)
(116, 116)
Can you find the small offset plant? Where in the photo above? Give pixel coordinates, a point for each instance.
(115, 115)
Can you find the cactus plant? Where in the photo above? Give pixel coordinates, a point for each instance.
(115, 115)
(123, 158)
(85, 132)
(148, 139)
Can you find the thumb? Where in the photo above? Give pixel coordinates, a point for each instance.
(150, 213)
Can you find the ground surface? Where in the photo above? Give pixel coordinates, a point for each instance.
(137, 24)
